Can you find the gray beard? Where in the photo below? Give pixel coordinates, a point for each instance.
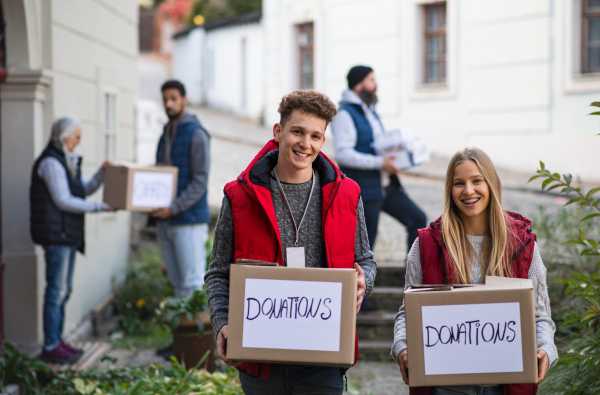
(367, 96)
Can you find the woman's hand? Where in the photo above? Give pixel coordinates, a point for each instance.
(361, 286)
(222, 344)
(543, 364)
(403, 363)
(106, 164)
(109, 208)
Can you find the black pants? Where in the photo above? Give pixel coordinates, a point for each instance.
(397, 204)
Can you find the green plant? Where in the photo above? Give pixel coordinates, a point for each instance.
(147, 380)
(145, 286)
(578, 369)
(172, 309)
(552, 228)
(19, 368)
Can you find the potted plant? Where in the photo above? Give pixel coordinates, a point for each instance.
(189, 321)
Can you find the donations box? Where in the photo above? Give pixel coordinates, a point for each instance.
(471, 335)
(128, 186)
(292, 315)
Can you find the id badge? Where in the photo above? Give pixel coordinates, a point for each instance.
(295, 257)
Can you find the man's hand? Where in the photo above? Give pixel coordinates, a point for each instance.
(543, 364)
(109, 208)
(403, 363)
(222, 344)
(389, 166)
(106, 164)
(161, 213)
(361, 286)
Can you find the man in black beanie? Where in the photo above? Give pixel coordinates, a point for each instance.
(355, 128)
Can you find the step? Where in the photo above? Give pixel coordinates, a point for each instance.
(390, 275)
(375, 350)
(92, 354)
(387, 298)
(375, 327)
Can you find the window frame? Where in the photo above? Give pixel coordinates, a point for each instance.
(307, 48)
(441, 34)
(585, 16)
(109, 124)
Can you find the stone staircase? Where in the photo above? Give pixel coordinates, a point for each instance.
(376, 332)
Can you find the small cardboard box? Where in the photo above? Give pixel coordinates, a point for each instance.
(292, 315)
(472, 335)
(132, 187)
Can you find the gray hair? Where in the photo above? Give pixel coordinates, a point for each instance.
(63, 128)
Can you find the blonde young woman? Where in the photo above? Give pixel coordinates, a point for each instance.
(473, 238)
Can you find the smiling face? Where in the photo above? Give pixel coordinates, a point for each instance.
(300, 140)
(470, 192)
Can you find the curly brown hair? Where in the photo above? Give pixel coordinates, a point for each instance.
(309, 102)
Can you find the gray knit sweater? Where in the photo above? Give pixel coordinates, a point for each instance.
(310, 236)
(545, 327)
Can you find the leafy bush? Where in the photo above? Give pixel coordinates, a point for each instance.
(562, 259)
(19, 368)
(578, 369)
(172, 309)
(145, 286)
(147, 380)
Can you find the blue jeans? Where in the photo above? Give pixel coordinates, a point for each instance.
(467, 390)
(295, 380)
(184, 250)
(60, 263)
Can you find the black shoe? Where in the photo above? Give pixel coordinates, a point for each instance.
(165, 352)
(367, 308)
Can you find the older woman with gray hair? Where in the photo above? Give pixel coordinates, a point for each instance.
(57, 198)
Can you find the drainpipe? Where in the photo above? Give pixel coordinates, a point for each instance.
(1, 301)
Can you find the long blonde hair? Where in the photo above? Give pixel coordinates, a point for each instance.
(493, 256)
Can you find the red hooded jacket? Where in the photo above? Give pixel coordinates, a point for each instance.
(257, 232)
(438, 268)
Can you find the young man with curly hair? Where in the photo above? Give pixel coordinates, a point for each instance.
(290, 182)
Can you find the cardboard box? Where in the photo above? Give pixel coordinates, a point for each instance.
(128, 186)
(411, 149)
(470, 335)
(292, 315)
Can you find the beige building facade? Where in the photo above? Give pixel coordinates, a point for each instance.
(63, 58)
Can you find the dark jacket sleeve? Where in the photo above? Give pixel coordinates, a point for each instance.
(362, 251)
(217, 276)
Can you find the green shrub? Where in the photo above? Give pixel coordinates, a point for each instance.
(145, 286)
(578, 369)
(562, 259)
(19, 368)
(147, 380)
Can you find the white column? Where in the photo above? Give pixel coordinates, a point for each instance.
(22, 100)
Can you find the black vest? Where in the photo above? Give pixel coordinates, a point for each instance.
(49, 225)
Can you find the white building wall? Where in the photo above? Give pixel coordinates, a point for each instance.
(512, 87)
(69, 55)
(187, 64)
(232, 84)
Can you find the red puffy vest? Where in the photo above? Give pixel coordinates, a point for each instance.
(438, 268)
(257, 232)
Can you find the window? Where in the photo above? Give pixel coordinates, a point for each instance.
(434, 28)
(109, 130)
(590, 36)
(305, 46)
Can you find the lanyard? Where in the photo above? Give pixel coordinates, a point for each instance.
(288, 205)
